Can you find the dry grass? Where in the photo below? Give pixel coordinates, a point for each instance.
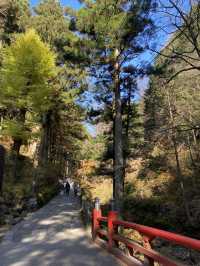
(102, 189)
(101, 186)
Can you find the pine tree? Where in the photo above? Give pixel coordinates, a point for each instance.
(111, 30)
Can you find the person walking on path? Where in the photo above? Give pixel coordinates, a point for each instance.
(67, 188)
(75, 189)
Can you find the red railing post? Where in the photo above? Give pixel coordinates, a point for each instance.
(112, 216)
(96, 213)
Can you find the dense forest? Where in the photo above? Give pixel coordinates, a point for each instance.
(62, 69)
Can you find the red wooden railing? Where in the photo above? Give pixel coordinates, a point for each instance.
(112, 239)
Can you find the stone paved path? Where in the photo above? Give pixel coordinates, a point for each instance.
(52, 236)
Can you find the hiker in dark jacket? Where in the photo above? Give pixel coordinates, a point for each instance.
(75, 189)
(67, 188)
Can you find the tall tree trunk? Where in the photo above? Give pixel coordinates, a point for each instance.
(17, 142)
(127, 127)
(2, 162)
(118, 142)
(45, 140)
(113, 153)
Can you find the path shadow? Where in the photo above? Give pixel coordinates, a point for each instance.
(52, 236)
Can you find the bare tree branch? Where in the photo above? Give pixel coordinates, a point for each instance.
(179, 72)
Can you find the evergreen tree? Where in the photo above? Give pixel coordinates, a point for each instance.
(17, 15)
(70, 82)
(112, 30)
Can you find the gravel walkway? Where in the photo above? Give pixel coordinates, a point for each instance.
(52, 236)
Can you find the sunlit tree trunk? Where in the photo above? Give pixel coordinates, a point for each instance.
(118, 141)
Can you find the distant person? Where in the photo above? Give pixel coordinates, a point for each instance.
(67, 188)
(75, 189)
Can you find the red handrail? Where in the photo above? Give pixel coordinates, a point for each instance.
(147, 233)
(153, 232)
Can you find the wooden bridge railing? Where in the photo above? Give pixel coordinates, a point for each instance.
(113, 239)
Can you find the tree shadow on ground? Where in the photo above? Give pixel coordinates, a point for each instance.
(52, 236)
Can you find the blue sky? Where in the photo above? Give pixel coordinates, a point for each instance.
(72, 3)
